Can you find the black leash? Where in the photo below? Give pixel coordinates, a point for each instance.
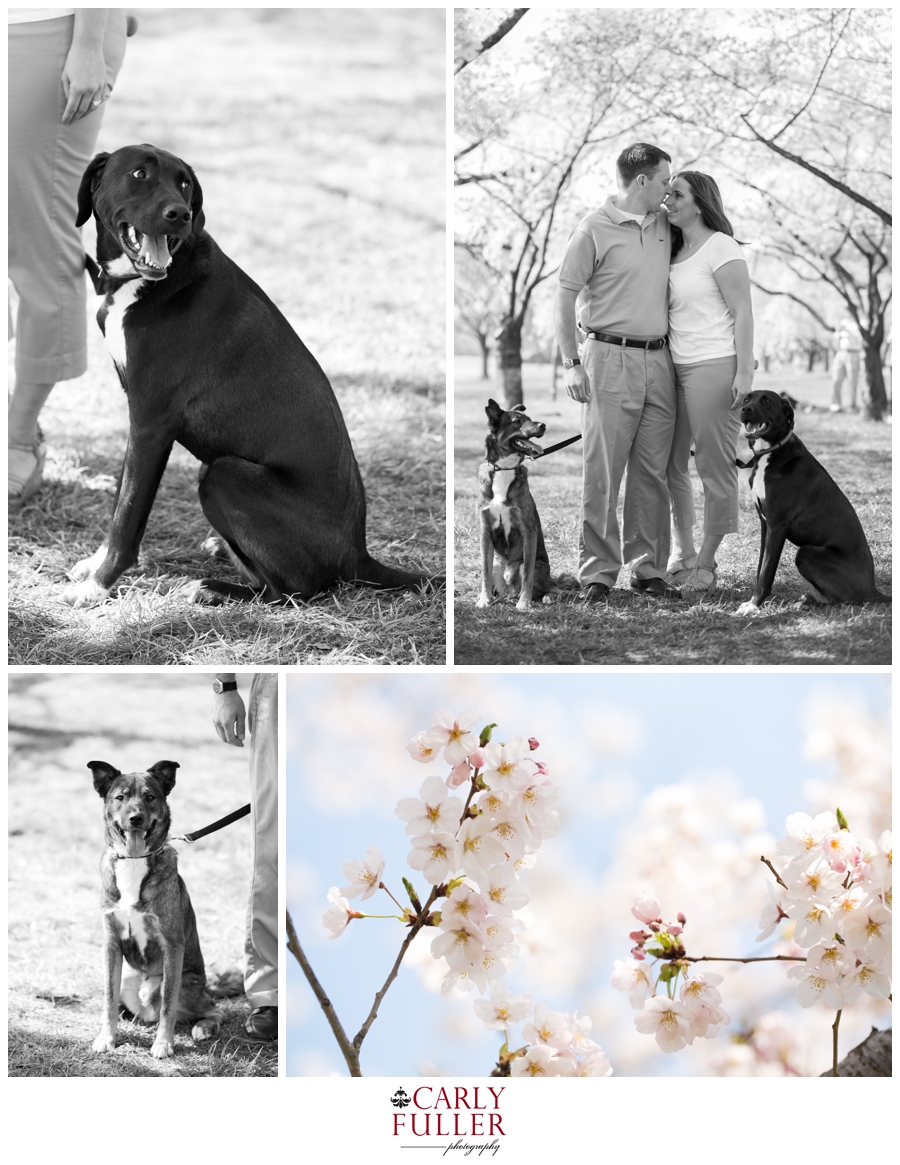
(558, 445)
(220, 824)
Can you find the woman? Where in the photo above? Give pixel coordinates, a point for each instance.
(63, 63)
(711, 341)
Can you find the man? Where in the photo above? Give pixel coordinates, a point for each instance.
(616, 266)
(848, 344)
(261, 947)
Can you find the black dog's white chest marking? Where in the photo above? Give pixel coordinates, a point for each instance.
(758, 484)
(111, 318)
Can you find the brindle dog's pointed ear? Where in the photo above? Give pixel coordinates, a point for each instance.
(199, 218)
(164, 771)
(89, 184)
(494, 412)
(104, 775)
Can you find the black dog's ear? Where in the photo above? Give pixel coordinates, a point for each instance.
(494, 412)
(164, 771)
(104, 775)
(89, 184)
(788, 410)
(199, 218)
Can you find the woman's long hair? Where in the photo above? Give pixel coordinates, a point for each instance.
(709, 200)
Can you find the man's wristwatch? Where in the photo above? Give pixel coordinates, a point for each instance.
(227, 686)
(567, 363)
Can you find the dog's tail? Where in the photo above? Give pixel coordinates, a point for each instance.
(392, 578)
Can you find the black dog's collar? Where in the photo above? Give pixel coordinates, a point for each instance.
(757, 457)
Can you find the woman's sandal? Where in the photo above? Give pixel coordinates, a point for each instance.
(678, 571)
(25, 482)
(701, 582)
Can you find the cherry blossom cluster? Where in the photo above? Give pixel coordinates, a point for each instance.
(836, 891)
(471, 850)
(652, 989)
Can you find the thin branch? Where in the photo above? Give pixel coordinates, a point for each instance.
(765, 861)
(757, 959)
(413, 931)
(834, 1044)
(817, 81)
(884, 215)
(498, 34)
(350, 1053)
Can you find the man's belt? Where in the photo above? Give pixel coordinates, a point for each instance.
(625, 342)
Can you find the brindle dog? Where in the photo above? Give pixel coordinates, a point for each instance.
(152, 959)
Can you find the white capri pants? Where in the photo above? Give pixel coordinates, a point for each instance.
(704, 412)
(262, 943)
(46, 162)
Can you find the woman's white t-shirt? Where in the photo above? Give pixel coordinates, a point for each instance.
(31, 15)
(700, 325)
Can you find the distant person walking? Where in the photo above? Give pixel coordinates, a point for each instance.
(63, 64)
(848, 345)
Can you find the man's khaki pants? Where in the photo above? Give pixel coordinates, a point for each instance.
(627, 427)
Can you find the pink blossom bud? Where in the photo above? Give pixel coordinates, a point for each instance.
(638, 936)
(459, 775)
(839, 867)
(681, 918)
(637, 953)
(533, 743)
(541, 768)
(674, 930)
(654, 926)
(476, 758)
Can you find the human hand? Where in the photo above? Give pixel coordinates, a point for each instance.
(577, 384)
(743, 383)
(84, 82)
(229, 717)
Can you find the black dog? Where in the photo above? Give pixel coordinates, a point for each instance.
(151, 953)
(797, 501)
(510, 523)
(206, 359)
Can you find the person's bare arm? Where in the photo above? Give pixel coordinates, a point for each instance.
(84, 73)
(564, 320)
(734, 282)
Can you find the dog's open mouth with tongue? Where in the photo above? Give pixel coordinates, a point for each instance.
(149, 254)
(137, 842)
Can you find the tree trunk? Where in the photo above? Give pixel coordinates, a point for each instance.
(510, 344)
(870, 1058)
(876, 397)
(485, 351)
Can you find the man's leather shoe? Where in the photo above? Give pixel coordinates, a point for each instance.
(262, 1025)
(657, 587)
(595, 593)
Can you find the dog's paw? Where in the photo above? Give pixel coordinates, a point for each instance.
(748, 608)
(204, 1029)
(523, 604)
(162, 1048)
(85, 594)
(105, 1042)
(483, 601)
(88, 566)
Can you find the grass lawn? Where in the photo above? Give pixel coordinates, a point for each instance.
(57, 723)
(318, 139)
(635, 630)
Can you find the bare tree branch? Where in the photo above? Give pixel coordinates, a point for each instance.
(497, 35)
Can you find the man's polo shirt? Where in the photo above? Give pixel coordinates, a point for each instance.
(623, 269)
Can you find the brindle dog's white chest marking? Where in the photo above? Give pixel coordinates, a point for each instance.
(498, 506)
(116, 305)
(128, 876)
